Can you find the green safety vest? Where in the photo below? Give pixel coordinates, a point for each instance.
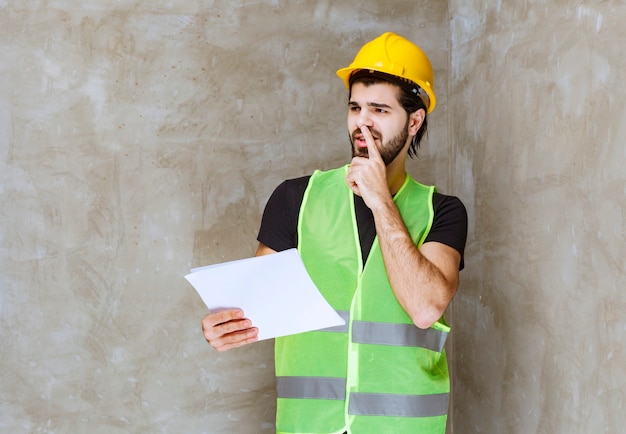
(379, 373)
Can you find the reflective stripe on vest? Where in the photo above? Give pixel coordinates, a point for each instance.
(363, 404)
(375, 404)
(400, 335)
(311, 387)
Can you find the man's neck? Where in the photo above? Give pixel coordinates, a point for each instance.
(396, 174)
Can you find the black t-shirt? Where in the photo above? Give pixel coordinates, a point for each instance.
(279, 225)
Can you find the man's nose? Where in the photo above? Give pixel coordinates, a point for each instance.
(364, 119)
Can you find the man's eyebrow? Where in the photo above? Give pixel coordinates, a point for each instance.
(371, 104)
(378, 105)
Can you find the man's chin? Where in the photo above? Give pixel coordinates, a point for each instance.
(360, 153)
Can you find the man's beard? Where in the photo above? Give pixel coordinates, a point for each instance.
(388, 151)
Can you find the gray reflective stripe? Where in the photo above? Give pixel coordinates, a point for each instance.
(375, 404)
(403, 335)
(345, 314)
(311, 387)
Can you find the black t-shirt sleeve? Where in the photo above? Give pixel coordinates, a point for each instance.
(449, 223)
(279, 225)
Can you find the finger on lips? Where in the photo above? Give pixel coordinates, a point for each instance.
(369, 140)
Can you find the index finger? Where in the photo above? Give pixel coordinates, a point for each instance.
(223, 316)
(372, 149)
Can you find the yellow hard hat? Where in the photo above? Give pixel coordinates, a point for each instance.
(397, 56)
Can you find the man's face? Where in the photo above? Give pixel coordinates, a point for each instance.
(377, 107)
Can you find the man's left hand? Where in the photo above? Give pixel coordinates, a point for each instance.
(367, 177)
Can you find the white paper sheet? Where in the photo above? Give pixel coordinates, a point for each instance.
(274, 291)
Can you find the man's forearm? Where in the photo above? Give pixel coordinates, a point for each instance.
(421, 288)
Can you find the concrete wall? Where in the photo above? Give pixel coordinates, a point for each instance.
(538, 122)
(139, 139)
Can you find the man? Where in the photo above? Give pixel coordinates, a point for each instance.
(384, 250)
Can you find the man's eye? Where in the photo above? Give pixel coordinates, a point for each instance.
(354, 108)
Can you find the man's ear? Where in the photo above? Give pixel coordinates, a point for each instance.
(416, 119)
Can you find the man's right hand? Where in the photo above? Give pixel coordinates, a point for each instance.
(228, 329)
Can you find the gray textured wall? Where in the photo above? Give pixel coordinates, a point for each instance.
(538, 121)
(139, 139)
